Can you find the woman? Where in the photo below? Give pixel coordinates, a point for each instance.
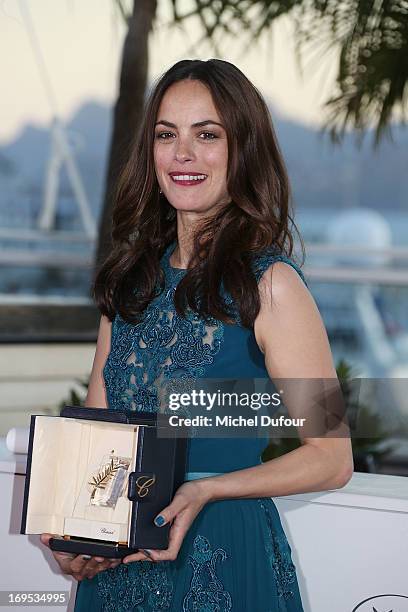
(201, 225)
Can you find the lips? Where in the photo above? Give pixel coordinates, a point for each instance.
(187, 180)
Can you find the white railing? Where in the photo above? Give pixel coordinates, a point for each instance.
(332, 272)
(35, 378)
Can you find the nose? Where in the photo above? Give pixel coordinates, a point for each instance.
(184, 150)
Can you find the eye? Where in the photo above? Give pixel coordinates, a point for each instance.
(163, 135)
(210, 134)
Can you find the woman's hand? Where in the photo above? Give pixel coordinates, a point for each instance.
(187, 503)
(80, 566)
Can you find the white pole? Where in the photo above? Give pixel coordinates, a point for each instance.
(60, 149)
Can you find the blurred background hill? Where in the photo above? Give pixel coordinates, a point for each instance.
(322, 176)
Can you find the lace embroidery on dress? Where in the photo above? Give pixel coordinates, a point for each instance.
(163, 349)
(160, 350)
(131, 588)
(279, 554)
(206, 593)
(268, 257)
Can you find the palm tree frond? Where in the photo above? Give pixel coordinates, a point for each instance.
(371, 38)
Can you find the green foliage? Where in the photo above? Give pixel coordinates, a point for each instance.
(74, 398)
(367, 420)
(369, 38)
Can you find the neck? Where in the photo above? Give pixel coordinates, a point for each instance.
(185, 237)
(188, 223)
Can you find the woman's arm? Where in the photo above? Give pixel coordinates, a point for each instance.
(290, 333)
(96, 396)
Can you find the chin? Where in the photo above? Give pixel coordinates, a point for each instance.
(190, 207)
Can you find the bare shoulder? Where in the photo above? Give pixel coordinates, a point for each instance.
(284, 281)
(289, 329)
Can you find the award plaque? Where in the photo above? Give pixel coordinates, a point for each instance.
(97, 478)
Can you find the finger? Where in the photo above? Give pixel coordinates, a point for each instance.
(177, 534)
(64, 560)
(96, 564)
(78, 564)
(61, 557)
(99, 564)
(92, 568)
(150, 554)
(45, 538)
(161, 555)
(170, 554)
(147, 552)
(114, 562)
(139, 556)
(169, 512)
(87, 573)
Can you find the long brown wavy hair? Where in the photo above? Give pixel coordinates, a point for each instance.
(258, 217)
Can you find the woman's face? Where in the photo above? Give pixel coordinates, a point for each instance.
(189, 142)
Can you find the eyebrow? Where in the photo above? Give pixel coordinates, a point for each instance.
(198, 124)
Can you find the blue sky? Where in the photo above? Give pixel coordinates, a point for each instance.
(81, 43)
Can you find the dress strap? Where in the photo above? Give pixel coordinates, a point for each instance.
(265, 259)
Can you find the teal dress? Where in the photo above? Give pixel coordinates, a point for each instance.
(235, 555)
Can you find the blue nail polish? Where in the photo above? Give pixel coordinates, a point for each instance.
(159, 520)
